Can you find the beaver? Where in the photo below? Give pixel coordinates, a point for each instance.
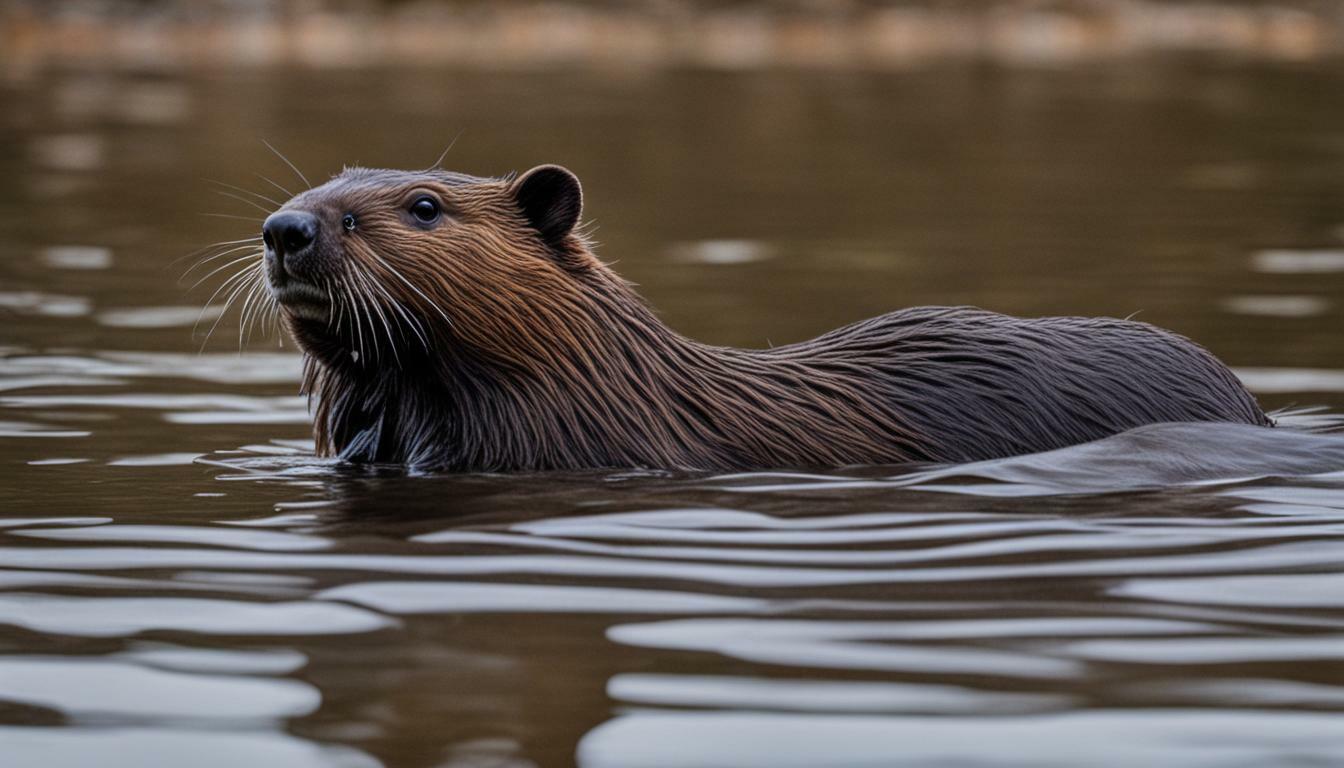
(453, 322)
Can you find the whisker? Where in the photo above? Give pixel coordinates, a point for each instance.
(245, 191)
(396, 306)
(413, 322)
(242, 199)
(233, 295)
(232, 216)
(263, 302)
(273, 308)
(447, 149)
(368, 316)
(268, 180)
(412, 286)
(358, 326)
(333, 319)
(219, 255)
(204, 249)
(228, 303)
(223, 267)
(222, 287)
(292, 167)
(373, 301)
(248, 295)
(250, 304)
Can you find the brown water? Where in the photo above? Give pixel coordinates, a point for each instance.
(183, 584)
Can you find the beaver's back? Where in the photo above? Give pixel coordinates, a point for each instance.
(977, 384)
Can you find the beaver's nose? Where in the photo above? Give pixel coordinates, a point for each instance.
(289, 233)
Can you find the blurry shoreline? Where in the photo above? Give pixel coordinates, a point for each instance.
(736, 36)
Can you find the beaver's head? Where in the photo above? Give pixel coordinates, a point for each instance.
(375, 268)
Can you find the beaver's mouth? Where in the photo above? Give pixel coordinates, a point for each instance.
(302, 300)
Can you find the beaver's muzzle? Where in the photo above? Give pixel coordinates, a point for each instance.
(291, 260)
(289, 238)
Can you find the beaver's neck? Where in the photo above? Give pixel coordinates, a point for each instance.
(632, 393)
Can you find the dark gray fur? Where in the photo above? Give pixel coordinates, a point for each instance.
(982, 385)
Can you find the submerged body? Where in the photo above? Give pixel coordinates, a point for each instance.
(459, 323)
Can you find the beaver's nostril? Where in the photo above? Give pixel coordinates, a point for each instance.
(289, 232)
(297, 238)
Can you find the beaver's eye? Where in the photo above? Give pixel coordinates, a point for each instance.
(348, 221)
(425, 210)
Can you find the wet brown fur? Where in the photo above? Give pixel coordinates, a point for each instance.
(484, 344)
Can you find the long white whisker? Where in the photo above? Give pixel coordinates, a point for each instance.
(239, 275)
(377, 306)
(396, 306)
(292, 167)
(412, 286)
(245, 191)
(250, 307)
(337, 313)
(267, 179)
(249, 296)
(233, 295)
(242, 199)
(368, 316)
(265, 307)
(413, 322)
(357, 325)
(221, 268)
(220, 255)
(447, 149)
(232, 216)
(274, 306)
(199, 251)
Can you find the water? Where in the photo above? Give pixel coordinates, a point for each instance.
(182, 581)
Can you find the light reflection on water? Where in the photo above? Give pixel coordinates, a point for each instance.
(1114, 738)
(179, 576)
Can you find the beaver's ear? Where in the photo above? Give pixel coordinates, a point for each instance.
(551, 199)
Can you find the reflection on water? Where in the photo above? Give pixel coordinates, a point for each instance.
(1113, 738)
(181, 581)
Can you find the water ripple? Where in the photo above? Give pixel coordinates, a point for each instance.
(1121, 739)
(123, 616)
(907, 646)
(95, 689)
(807, 695)
(182, 534)
(147, 746)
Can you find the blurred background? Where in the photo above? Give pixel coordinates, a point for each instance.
(706, 33)
(765, 170)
